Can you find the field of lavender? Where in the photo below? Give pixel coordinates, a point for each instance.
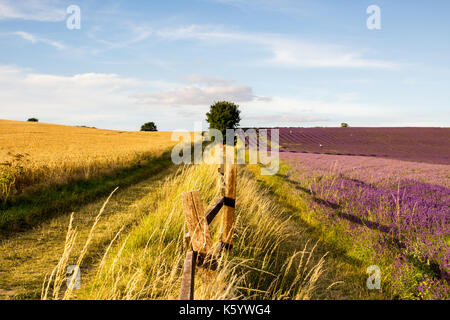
(396, 212)
(430, 145)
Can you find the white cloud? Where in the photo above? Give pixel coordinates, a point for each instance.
(280, 50)
(115, 102)
(35, 10)
(305, 55)
(193, 95)
(209, 81)
(296, 111)
(104, 100)
(108, 100)
(287, 118)
(283, 51)
(35, 39)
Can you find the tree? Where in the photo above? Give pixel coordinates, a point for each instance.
(344, 125)
(149, 126)
(223, 115)
(33, 120)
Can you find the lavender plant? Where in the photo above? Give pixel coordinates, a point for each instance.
(404, 221)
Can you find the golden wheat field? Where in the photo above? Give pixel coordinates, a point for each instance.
(56, 154)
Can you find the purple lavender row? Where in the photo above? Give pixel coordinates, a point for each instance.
(383, 202)
(431, 145)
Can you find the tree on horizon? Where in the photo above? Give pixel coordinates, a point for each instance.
(223, 115)
(149, 126)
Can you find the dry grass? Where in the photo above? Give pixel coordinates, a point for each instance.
(27, 257)
(56, 155)
(56, 277)
(147, 262)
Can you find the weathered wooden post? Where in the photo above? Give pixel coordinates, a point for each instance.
(187, 280)
(196, 222)
(198, 239)
(229, 206)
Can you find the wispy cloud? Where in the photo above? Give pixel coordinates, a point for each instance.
(296, 7)
(309, 55)
(280, 50)
(35, 10)
(134, 34)
(35, 39)
(209, 81)
(283, 51)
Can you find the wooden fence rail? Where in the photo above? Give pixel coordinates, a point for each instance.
(198, 238)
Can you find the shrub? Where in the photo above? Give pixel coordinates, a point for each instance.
(33, 120)
(223, 115)
(149, 126)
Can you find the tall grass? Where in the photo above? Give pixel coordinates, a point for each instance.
(56, 278)
(147, 263)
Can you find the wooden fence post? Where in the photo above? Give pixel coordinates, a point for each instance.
(198, 238)
(229, 206)
(196, 222)
(187, 280)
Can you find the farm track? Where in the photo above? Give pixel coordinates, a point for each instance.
(26, 258)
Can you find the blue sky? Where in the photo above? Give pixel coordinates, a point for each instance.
(286, 63)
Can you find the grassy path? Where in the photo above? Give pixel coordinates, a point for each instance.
(30, 209)
(269, 232)
(27, 257)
